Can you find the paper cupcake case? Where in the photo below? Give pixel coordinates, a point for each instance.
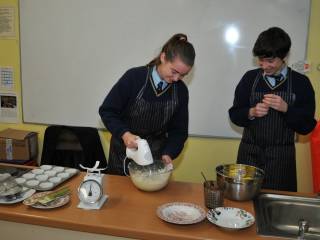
(46, 177)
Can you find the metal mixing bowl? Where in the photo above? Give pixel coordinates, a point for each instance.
(240, 182)
(149, 178)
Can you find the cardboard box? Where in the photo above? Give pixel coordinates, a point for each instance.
(18, 145)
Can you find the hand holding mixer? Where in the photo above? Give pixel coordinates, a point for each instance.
(141, 155)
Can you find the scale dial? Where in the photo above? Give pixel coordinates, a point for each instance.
(90, 191)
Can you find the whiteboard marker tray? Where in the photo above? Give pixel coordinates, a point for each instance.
(46, 177)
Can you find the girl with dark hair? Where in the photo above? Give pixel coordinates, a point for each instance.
(272, 103)
(150, 102)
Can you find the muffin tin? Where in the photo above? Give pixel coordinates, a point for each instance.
(46, 177)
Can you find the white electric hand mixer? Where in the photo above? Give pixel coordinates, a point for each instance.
(141, 155)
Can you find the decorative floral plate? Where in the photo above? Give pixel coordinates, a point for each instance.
(58, 202)
(181, 213)
(230, 218)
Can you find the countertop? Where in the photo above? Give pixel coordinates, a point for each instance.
(130, 213)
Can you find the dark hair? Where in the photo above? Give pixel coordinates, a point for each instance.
(273, 42)
(177, 45)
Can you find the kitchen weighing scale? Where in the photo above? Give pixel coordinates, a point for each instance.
(90, 191)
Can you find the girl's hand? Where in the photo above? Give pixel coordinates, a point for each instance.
(129, 140)
(166, 159)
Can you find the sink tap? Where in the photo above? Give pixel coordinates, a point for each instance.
(303, 228)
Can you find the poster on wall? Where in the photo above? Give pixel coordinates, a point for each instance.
(6, 78)
(7, 29)
(8, 108)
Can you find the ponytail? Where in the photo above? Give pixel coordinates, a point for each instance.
(177, 45)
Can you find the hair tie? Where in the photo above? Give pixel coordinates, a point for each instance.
(183, 38)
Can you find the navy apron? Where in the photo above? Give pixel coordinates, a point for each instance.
(268, 143)
(149, 121)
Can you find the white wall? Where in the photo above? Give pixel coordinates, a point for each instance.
(73, 51)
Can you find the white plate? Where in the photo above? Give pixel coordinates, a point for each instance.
(230, 218)
(181, 213)
(23, 196)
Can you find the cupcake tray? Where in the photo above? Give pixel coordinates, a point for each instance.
(46, 177)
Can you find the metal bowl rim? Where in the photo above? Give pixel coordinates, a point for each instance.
(218, 171)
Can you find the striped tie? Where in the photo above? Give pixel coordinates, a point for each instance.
(278, 78)
(159, 87)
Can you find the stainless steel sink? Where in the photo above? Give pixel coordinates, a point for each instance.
(289, 217)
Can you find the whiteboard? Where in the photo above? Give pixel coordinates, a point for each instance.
(73, 52)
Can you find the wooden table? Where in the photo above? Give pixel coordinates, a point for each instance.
(128, 213)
